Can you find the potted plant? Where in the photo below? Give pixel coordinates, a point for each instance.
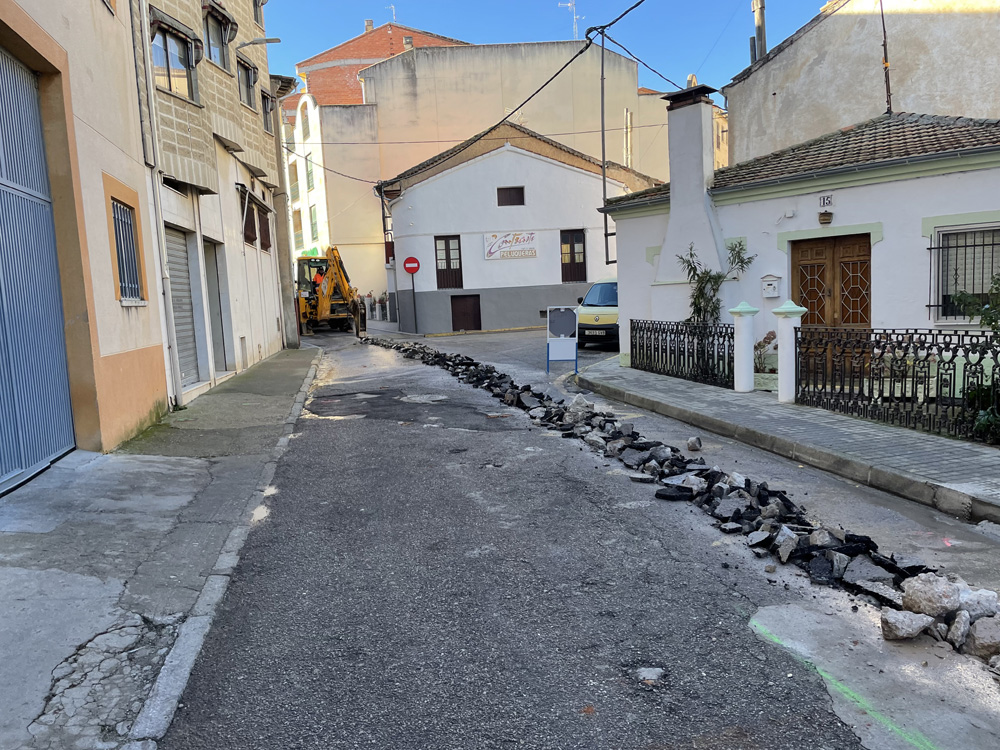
(765, 376)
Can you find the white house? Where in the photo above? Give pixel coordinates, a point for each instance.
(876, 225)
(502, 225)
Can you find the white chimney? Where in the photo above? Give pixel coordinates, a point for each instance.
(691, 144)
(369, 24)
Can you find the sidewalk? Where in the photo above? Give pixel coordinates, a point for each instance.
(111, 565)
(956, 477)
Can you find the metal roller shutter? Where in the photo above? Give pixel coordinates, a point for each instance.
(36, 418)
(180, 296)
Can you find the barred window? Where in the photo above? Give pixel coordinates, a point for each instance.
(967, 262)
(127, 251)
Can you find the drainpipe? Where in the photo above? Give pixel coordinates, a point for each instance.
(174, 385)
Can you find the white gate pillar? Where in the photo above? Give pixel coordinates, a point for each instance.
(789, 318)
(743, 346)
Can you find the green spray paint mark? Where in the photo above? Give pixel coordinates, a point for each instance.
(915, 738)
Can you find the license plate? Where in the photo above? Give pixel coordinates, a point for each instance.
(596, 333)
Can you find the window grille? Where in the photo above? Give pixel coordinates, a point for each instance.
(127, 251)
(963, 261)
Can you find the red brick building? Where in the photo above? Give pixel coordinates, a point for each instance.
(332, 76)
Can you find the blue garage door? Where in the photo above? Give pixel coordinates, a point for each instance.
(36, 424)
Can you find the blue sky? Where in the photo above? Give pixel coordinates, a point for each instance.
(677, 37)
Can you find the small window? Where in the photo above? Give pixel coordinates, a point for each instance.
(172, 64)
(258, 12)
(293, 179)
(510, 196)
(448, 257)
(264, 222)
(216, 48)
(304, 115)
(249, 220)
(297, 229)
(247, 80)
(573, 255)
(267, 109)
(314, 223)
(310, 179)
(127, 251)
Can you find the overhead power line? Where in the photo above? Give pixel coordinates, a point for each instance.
(327, 169)
(458, 140)
(642, 62)
(588, 43)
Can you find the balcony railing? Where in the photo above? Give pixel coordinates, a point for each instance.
(692, 351)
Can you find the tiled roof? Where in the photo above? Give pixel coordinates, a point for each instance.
(884, 139)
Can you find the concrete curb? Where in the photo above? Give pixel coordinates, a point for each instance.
(158, 711)
(964, 506)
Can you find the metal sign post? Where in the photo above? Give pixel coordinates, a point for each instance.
(561, 328)
(411, 265)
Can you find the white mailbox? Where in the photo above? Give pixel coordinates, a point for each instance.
(770, 286)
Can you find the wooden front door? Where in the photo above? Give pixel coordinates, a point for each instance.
(465, 314)
(831, 278)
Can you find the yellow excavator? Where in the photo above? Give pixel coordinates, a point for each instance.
(324, 292)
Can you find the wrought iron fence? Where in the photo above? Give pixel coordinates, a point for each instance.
(936, 381)
(692, 351)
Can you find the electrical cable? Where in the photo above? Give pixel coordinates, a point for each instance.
(736, 8)
(641, 62)
(341, 174)
(457, 141)
(587, 45)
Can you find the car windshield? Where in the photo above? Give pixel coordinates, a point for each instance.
(602, 295)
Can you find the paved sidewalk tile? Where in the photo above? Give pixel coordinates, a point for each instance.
(958, 477)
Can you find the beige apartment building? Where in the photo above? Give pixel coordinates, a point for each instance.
(137, 165)
(354, 125)
(943, 60)
(215, 126)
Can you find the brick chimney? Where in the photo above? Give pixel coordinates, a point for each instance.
(691, 147)
(369, 24)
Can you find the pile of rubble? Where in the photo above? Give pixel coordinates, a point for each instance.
(915, 600)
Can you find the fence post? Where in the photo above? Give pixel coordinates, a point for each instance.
(743, 346)
(789, 318)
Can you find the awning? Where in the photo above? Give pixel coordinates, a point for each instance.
(215, 7)
(159, 20)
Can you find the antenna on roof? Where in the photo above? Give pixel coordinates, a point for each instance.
(393, 9)
(572, 9)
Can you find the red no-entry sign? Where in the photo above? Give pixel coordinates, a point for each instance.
(411, 265)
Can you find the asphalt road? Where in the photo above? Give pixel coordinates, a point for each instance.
(436, 573)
